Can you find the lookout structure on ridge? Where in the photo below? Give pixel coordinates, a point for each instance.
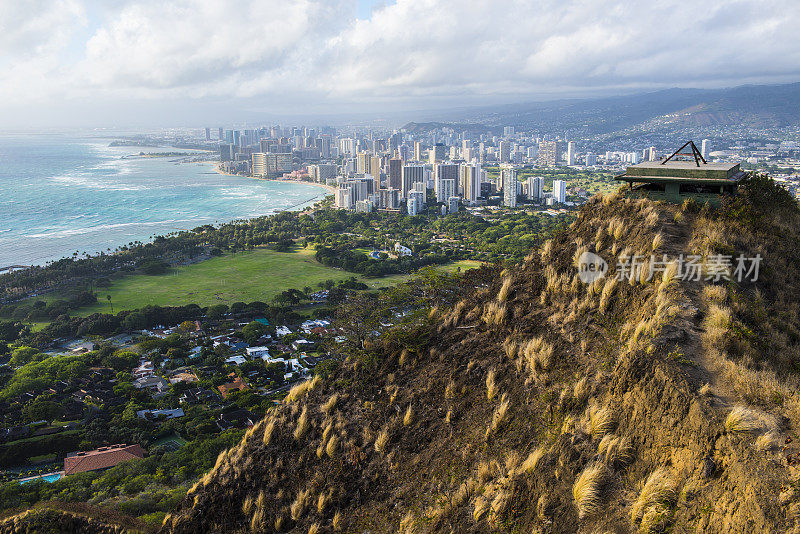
(681, 176)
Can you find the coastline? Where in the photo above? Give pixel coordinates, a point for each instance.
(327, 187)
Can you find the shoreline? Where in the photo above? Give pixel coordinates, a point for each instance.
(327, 187)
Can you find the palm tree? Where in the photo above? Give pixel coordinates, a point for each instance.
(108, 298)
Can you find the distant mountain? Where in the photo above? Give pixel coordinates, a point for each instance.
(749, 106)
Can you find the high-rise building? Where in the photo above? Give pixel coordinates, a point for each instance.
(508, 176)
(508, 131)
(446, 181)
(560, 191)
(705, 148)
(271, 165)
(470, 182)
(418, 156)
(651, 154)
(416, 202)
(344, 197)
(535, 187)
(389, 198)
(505, 152)
(445, 189)
(322, 172)
(571, 153)
(220, 134)
(396, 174)
(591, 159)
(412, 174)
(227, 152)
(438, 153)
(452, 204)
(208, 134)
(550, 152)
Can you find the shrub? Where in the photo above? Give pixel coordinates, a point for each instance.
(744, 420)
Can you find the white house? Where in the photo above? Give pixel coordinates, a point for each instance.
(236, 360)
(257, 352)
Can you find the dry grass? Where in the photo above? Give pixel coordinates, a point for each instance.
(382, 440)
(300, 504)
(768, 441)
(749, 420)
(301, 389)
(330, 404)
(658, 242)
(715, 293)
(530, 463)
(601, 420)
(615, 450)
(495, 313)
(480, 507)
(408, 418)
(588, 489)
(491, 386)
(338, 520)
(581, 391)
(332, 446)
(652, 509)
(302, 424)
(505, 289)
(499, 416)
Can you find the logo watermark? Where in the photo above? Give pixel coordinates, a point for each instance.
(591, 267)
(689, 267)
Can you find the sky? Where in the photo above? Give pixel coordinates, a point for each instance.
(130, 63)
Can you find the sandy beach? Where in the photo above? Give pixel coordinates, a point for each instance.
(324, 186)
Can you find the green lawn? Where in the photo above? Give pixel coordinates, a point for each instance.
(246, 277)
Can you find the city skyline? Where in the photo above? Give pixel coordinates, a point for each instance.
(139, 63)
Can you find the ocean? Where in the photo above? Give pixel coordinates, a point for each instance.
(60, 195)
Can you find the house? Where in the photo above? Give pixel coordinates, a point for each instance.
(232, 387)
(155, 414)
(283, 331)
(102, 458)
(401, 251)
(235, 360)
(156, 384)
(186, 376)
(145, 368)
(301, 344)
(257, 352)
(235, 419)
(197, 395)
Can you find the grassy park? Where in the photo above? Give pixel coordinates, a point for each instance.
(256, 275)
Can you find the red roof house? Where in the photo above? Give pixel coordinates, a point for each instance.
(102, 458)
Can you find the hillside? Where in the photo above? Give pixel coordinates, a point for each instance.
(527, 401)
(667, 111)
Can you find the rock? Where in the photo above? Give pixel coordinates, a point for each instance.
(708, 468)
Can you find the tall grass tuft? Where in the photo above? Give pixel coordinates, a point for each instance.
(491, 386)
(652, 509)
(588, 489)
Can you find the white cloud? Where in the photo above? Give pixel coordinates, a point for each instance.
(284, 55)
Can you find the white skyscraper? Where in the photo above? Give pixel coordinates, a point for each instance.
(651, 154)
(571, 153)
(535, 184)
(705, 148)
(560, 191)
(508, 176)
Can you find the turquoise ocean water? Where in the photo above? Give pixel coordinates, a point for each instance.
(60, 195)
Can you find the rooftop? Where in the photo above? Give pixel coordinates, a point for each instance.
(102, 458)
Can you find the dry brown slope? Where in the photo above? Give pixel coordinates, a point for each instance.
(538, 404)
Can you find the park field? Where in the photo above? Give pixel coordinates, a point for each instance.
(256, 275)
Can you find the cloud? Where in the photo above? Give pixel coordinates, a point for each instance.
(288, 56)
